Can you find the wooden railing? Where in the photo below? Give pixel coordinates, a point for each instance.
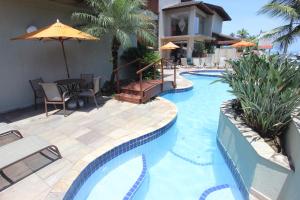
(160, 62)
(117, 70)
(140, 73)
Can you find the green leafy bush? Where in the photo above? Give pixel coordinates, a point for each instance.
(147, 56)
(268, 91)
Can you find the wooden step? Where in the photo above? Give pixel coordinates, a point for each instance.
(135, 86)
(129, 98)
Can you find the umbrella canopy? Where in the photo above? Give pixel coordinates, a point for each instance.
(59, 32)
(243, 44)
(169, 46)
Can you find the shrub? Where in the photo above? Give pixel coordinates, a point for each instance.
(268, 91)
(147, 56)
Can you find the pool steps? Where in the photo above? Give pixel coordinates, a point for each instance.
(138, 182)
(190, 160)
(207, 192)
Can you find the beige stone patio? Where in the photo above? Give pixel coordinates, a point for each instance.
(81, 137)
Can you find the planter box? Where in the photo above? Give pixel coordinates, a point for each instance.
(258, 169)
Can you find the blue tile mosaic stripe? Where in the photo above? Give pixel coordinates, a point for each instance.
(191, 161)
(234, 171)
(176, 90)
(198, 73)
(106, 157)
(211, 190)
(138, 182)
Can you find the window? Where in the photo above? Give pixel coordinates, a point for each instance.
(179, 25)
(199, 25)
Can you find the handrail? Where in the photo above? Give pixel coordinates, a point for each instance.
(146, 67)
(125, 65)
(116, 72)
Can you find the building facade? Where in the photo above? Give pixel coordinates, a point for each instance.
(186, 21)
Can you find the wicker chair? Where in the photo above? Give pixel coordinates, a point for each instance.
(37, 90)
(54, 96)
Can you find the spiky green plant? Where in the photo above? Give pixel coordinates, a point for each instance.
(119, 19)
(268, 89)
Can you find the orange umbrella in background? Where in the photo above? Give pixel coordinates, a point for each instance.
(58, 32)
(169, 46)
(243, 44)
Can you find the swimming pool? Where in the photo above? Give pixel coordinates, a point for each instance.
(183, 164)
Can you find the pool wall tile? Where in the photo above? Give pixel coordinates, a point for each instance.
(138, 182)
(234, 171)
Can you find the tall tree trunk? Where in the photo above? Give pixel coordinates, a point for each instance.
(115, 56)
(286, 44)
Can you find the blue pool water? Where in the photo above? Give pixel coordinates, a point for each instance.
(183, 164)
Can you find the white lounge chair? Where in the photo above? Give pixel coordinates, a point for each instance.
(184, 62)
(198, 62)
(222, 63)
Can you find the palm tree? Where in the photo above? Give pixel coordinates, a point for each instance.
(289, 11)
(243, 33)
(119, 19)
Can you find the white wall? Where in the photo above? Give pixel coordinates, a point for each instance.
(21, 61)
(217, 23)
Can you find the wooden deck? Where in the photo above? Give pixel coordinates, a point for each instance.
(140, 93)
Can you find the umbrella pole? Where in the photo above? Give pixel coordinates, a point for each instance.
(65, 58)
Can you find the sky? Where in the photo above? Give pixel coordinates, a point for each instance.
(244, 15)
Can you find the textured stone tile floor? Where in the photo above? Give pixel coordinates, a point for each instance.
(84, 134)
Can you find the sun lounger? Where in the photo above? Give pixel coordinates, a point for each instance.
(9, 136)
(21, 149)
(15, 132)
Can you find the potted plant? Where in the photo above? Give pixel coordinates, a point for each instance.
(267, 90)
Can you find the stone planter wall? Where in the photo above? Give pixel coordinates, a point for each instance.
(263, 173)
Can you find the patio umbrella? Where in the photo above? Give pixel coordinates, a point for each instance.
(243, 44)
(57, 32)
(169, 46)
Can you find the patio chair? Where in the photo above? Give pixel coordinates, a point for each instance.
(197, 62)
(86, 81)
(222, 63)
(94, 91)
(37, 90)
(21, 149)
(54, 96)
(184, 62)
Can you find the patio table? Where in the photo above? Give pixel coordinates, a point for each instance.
(71, 85)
